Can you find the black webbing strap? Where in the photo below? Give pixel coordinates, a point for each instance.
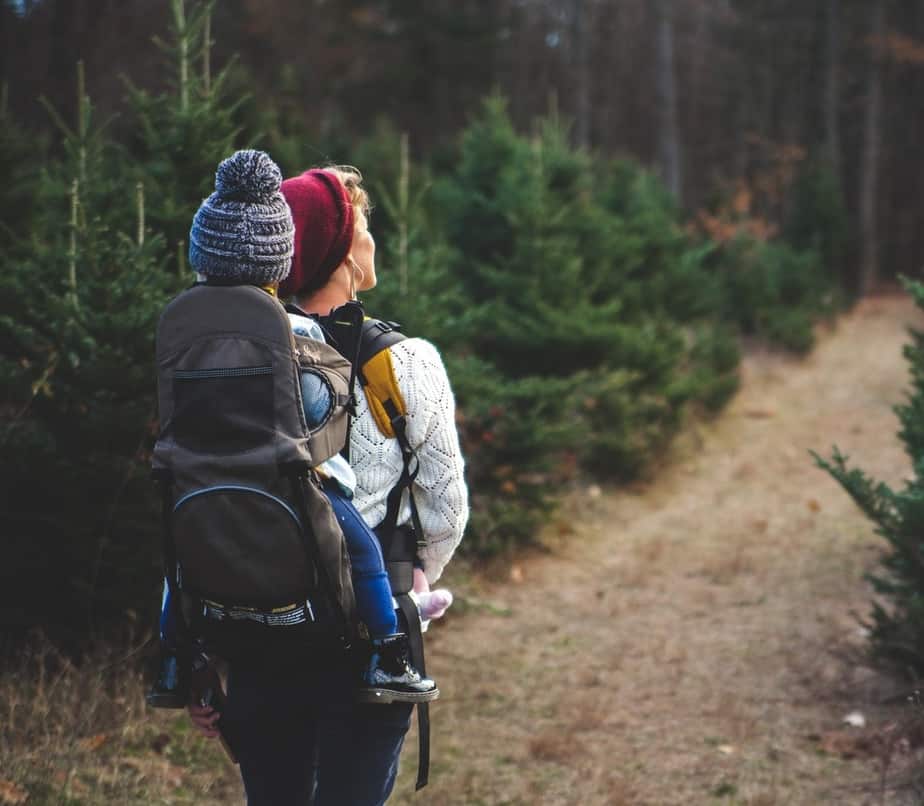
(416, 646)
(410, 468)
(405, 603)
(377, 335)
(353, 321)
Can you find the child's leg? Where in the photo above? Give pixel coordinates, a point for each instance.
(167, 617)
(171, 686)
(370, 580)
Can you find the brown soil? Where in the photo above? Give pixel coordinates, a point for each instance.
(694, 640)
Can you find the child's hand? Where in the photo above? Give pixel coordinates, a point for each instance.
(433, 604)
(421, 585)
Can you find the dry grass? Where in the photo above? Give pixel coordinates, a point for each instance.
(693, 641)
(83, 735)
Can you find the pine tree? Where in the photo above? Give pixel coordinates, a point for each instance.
(583, 317)
(79, 304)
(897, 618)
(21, 157)
(183, 134)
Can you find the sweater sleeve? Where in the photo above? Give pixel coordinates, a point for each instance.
(439, 489)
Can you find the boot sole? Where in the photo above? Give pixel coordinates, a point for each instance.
(157, 700)
(386, 696)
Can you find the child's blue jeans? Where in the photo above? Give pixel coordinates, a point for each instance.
(370, 580)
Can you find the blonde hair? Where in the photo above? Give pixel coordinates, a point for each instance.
(352, 181)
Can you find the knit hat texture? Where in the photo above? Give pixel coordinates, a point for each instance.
(323, 217)
(243, 232)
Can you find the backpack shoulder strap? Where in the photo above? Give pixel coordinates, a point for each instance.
(377, 374)
(389, 410)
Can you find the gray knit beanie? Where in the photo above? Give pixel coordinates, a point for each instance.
(243, 232)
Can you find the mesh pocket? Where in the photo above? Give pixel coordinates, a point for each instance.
(223, 410)
(317, 398)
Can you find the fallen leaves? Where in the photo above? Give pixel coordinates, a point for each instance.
(556, 746)
(12, 794)
(882, 742)
(93, 743)
(845, 744)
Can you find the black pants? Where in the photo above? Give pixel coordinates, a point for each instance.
(282, 717)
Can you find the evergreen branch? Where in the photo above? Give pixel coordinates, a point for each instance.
(876, 502)
(37, 386)
(102, 544)
(56, 118)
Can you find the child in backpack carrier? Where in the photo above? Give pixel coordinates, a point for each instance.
(247, 187)
(389, 675)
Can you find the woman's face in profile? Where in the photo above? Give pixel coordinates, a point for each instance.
(363, 252)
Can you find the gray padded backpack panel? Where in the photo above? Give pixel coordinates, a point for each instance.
(231, 424)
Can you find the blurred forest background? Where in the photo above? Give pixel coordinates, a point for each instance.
(589, 206)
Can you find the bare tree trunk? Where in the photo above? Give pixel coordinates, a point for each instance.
(872, 146)
(581, 60)
(668, 137)
(832, 85)
(207, 53)
(182, 32)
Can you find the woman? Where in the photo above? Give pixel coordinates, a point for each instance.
(281, 715)
(335, 259)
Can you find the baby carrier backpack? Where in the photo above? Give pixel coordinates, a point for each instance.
(252, 549)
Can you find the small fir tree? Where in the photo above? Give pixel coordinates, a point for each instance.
(21, 157)
(897, 617)
(575, 348)
(183, 134)
(79, 305)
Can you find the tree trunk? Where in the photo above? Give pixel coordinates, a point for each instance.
(872, 146)
(581, 61)
(832, 85)
(668, 137)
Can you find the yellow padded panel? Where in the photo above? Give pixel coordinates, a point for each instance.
(382, 385)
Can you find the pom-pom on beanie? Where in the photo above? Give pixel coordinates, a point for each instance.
(243, 232)
(323, 216)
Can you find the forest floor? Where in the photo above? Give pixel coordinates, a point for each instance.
(693, 639)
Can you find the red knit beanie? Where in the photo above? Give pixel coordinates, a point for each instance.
(323, 217)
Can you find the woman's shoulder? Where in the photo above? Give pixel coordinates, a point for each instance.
(414, 348)
(415, 358)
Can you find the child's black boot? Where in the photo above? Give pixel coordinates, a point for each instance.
(171, 688)
(390, 677)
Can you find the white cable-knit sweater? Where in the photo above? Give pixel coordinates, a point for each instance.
(439, 489)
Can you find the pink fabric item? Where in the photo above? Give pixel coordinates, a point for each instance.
(323, 218)
(432, 604)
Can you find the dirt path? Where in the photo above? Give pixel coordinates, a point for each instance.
(687, 642)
